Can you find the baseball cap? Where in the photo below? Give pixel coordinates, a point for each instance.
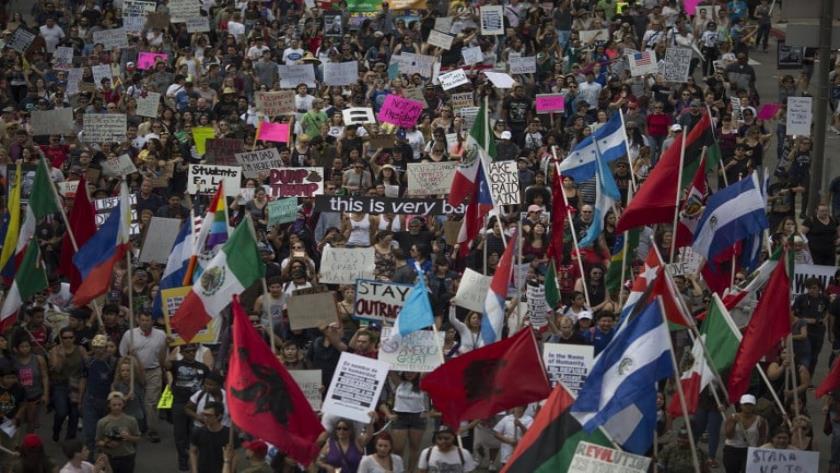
(258, 447)
(747, 399)
(506, 135)
(585, 315)
(676, 127)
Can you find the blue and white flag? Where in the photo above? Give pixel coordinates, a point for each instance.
(176, 265)
(731, 215)
(606, 195)
(416, 313)
(610, 140)
(620, 391)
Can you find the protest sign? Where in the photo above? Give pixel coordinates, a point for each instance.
(642, 63)
(461, 100)
(789, 57)
(74, 76)
(768, 111)
(160, 237)
(472, 290)
(200, 136)
(379, 300)
(803, 272)
(293, 75)
(443, 24)
(592, 458)
(205, 179)
(282, 211)
(504, 182)
(472, 55)
(345, 265)
(451, 228)
(492, 20)
(274, 103)
(341, 73)
(311, 310)
(147, 60)
(453, 79)
(440, 40)
(737, 111)
(537, 305)
(382, 141)
(569, 364)
(198, 24)
(362, 6)
(676, 64)
(180, 11)
(253, 162)
(103, 207)
(100, 71)
(469, 114)
(799, 116)
(333, 25)
(499, 79)
(358, 116)
(309, 382)
(296, 182)
(430, 178)
(134, 14)
(400, 111)
(222, 151)
(52, 122)
(115, 38)
(379, 205)
(411, 63)
(522, 64)
(171, 300)
(419, 351)
(103, 127)
(397, 5)
(591, 36)
(415, 93)
(147, 106)
(121, 165)
(63, 58)
(274, 132)
(355, 387)
(67, 188)
(21, 39)
(550, 103)
(777, 460)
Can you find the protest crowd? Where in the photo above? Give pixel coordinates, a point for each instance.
(412, 236)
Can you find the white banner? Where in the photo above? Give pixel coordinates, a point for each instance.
(355, 387)
(804, 272)
(419, 351)
(569, 364)
(345, 265)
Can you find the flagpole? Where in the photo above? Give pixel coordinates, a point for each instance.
(629, 158)
(679, 191)
(626, 246)
(574, 234)
(130, 312)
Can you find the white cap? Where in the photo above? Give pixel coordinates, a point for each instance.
(506, 135)
(676, 127)
(747, 399)
(585, 314)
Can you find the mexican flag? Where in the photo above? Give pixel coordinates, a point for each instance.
(30, 279)
(229, 273)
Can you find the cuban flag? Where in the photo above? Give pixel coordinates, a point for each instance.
(494, 302)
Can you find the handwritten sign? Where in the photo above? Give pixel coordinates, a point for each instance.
(222, 151)
(115, 38)
(440, 40)
(430, 178)
(134, 14)
(67, 188)
(180, 11)
(293, 75)
(355, 387)
(676, 64)
(358, 116)
(311, 310)
(103, 207)
(400, 111)
(147, 60)
(492, 20)
(21, 39)
(538, 308)
(63, 58)
(100, 71)
(500, 80)
(472, 290)
(52, 122)
(121, 165)
(551, 103)
(592, 458)
(198, 24)
(309, 382)
(148, 106)
(419, 351)
(773, 460)
(282, 211)
(472, 55)
(275, 103)
(345, 265)
(205, 179)
(379, 300)
(104, 127)
(341, 73)
(568, 364)
(522, 65)
(504, 182)
(453, 79)
(261, 160)
(799, 116)
(461, 100)
(296, 182)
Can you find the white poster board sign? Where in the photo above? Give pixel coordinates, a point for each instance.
(504, 182)
(453, 79)
(472, 55)
(309, 382)
(180, 11)
(537, 305)
(569, 364)
(642, 63)
(773, 460)
(419, 351)
(355, 387)
(345, 265)
(522, 65)
(121, 165)
(492, 20)
(500, 80)
(379, 300)
(593, 458)
(804, 272)
(148, 106)
(440, 40)
(430, 178)
(295, 74)
(341, 73)
(205, 179)
(52, 122)
(358, 116)
(261, 160)
(104, 127)
(676, 65)
(159, 239)
(799, 116)
(472, 290)
(111, 39)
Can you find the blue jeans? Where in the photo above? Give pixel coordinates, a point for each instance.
(92, 410)
(563, 39)
(64, 409)
(708, 420)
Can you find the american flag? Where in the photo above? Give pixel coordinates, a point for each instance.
(642, 58)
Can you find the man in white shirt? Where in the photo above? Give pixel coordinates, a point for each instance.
(293, 53)
(510, 430)
(444, 456)
(52, 34)
(148, 345)
(590, 90)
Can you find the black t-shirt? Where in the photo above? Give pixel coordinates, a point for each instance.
(406, 239)
(210, 448)
(187, 377)
(821, 236)
(517, 109)
(808, 307)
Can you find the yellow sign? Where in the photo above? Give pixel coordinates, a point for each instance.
(166, 398)
(406, 4)
(170, 301)
(200, 136)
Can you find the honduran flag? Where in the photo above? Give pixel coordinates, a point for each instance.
(213, 234)
(95, 260)
(494, 303)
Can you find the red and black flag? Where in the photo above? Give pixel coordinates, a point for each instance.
(263, 398)
(493, 378)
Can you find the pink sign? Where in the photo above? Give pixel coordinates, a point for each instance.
(768, 111)
(691, 6)
(551, 103)
(277, 132)
(399, 111)
(147, 60)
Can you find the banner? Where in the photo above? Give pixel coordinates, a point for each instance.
(504, 182)
(275, 103)
(111, 39)
(569, 364)
(103, 127)
(799, 115)
(430, 178)
(171, 300)
(205, 179)
(380, 205)
(311, 310)
(282, 211)
(492, 20)
(551, 103)
(261, 160)
(222, 151)
(592, 458)
(803, 272)
(522, 65)
(148, 106)
(775, 460)
(400, 111)
(472, 290)
(453, 79)
(53, 122)
(341, 73)
(296, 182)
(419, 351)
(309, 382)
(293, 75)
(355, 387)
(345, 265)
(379, 300)
(676, 64)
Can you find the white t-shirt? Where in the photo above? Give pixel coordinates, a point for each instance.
(407, 400)
(369, 465)
(508, 428)
(85, 468)
(446, 462)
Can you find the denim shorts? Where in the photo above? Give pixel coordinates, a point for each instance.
(409, 420)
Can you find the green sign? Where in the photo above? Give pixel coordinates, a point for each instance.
(282, 211)
(362, 6)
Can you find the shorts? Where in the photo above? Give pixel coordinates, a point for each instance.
(409, 420)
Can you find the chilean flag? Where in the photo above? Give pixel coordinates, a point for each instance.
(494, 303)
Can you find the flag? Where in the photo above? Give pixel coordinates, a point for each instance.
(606, 195)
(731, 215)
(655, 201)
(96, 259)
(741, 297)
(489, 379)
(607, 143)
(213, 233)
(548, 446)
(30, 279)
(559, 211)
(831, 382)
(619, 393)
(13, 227)
(614, 277)
(234, 268)
(552, 290)
(494, 301)
(479, 150)
(721, 338)
(82, 221)
(769, 324)
(692, 208)
(416, 312)
(263, 399)
(176, 266)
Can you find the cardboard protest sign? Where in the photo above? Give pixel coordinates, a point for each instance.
(379, 300)
(440, 40)
(568, 364)
(642, 63)
(147, 60)
(504, 182)
(309, 382)
(148, 106)
(551, 103)
(592, 458)
(416, 94)
(121, 165)
(345, 265)
(451, 228)
(341, 73)
(420, 351)
(400, 111)
(492, 20)
(205, 179)
(461, 100)
(171, 300)
(278, 102)
(522, 64)
(382, 141)
(222, 151)
(772, 460)
(115, 38)
(472, 55)
(293, 75)
(358, 116)
(296, 182)
(472, 290)
(799, 116)
(63, 58)
(21, 39)
(355, 388)
(182, 10)
(261, 160)
(453, 79)
(103, 127)
(676, 64)
(160, 237)
(311, 310)
(379, 205)
(592, 36)
(282, 211)
(430, 178)
(52, 122)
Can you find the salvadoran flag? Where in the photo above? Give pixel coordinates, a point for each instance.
(494, 303)
(610, 140)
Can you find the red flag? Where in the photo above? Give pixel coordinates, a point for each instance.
(831, 382)
(558, 220)
(655, 202)
(673, 309)
(769, 324)
(471, 225)
(263, 398)
(82, 219)
(490, 379)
